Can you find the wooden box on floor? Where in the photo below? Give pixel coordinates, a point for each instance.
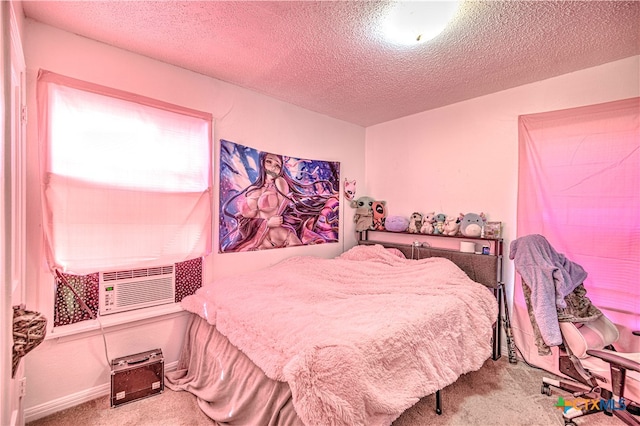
(136, 376)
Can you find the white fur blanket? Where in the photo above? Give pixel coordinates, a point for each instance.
(359, 338)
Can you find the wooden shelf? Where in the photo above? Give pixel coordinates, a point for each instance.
(459, 236)
(444, 242)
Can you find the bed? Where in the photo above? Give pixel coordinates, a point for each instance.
(354, 340)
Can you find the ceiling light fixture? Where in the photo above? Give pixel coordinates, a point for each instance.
(413, 22)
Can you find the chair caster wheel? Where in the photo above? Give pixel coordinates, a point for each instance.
(545, 390)
(438, 411)
(569, 423)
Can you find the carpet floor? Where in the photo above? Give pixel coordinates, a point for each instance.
(498, 394)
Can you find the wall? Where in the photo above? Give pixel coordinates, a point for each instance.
(463, 158)
(64, 371)
(12, 205)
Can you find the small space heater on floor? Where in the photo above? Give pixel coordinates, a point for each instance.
(136, 376)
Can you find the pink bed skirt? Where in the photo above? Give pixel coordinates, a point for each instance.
(230, 388)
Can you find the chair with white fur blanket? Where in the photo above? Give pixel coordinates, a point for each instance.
(600, 379)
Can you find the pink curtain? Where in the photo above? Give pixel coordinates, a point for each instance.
(126, 180)
(579, 186)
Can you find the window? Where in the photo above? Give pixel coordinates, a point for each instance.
(579, 186)
(126, 180)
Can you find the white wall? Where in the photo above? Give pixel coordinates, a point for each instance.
(62, 371)
(463, 158)
(12, 246)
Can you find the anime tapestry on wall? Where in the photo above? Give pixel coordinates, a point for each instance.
(272, 201)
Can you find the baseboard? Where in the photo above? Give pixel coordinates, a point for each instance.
(59, 404)
(14, 418)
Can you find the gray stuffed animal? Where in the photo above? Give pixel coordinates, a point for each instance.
(363, 216)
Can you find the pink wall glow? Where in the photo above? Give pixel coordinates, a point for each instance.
(460, 158)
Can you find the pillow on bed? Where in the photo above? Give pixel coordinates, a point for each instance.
(374, 252)
(396, 252)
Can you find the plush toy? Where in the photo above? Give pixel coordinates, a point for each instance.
(363, 216)
(415, 223)
(379, 214)
(471, 224)
(427, 223)
(396, 223)
(364, 201)
(349, 189)
(452, 225)
(438, 227)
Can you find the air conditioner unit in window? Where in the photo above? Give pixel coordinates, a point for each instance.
(136, 288)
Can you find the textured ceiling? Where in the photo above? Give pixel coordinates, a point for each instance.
(330, 57)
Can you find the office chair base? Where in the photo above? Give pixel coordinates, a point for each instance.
(575, 388)
(588, 407)
(627, 418)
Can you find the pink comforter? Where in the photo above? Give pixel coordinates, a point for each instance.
(359, 338)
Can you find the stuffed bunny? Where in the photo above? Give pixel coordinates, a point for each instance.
(427, 223)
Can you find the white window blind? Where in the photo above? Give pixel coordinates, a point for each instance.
(579, 186)
(126, 180)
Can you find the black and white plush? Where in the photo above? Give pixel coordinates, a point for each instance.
(415, 223)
